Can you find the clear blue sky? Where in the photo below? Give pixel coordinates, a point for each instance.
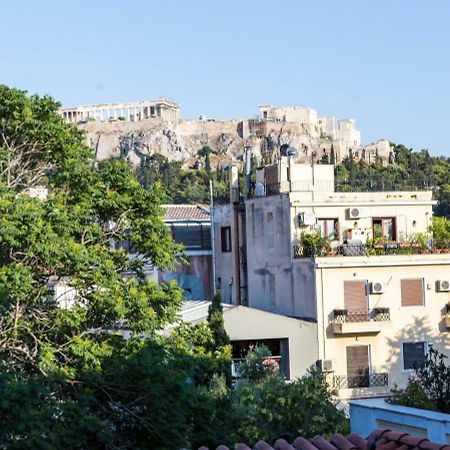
(384, 63)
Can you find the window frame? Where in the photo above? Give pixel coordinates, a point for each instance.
(325, 228)
(425, 351)
(394, 227)
(423, 293)
(225, 232)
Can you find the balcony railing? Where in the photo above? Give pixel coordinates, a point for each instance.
(360, 381)
(382, 185)
(347, 186)
(388, 248)
(361, 315)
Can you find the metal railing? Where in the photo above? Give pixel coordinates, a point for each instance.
(347, 186)
(382, 185)
(388, 248)
(361, 315)
(360, 381)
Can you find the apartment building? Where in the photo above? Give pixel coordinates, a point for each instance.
(375, 282)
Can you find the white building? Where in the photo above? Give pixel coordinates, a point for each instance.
(379, 295)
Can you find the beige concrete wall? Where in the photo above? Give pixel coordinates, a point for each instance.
(413, 323)
(223, 260)
(244, 323)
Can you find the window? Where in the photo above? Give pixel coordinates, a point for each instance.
(225, 234)
(414, 354)
(355, 295)
(328, 228)
(412, 292)
(384, 228)
(358, 366)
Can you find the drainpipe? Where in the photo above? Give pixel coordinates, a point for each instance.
(211, 217)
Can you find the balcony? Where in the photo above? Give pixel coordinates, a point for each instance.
(362, 249)
(359, 321)
(360, 381)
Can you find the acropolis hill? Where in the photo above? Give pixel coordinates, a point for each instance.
(143, 128)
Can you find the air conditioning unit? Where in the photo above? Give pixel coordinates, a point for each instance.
(354, 213)
(443, 286)
(377, 288)
(306, 218)
(324, 365)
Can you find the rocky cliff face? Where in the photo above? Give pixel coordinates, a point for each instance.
(180, 140)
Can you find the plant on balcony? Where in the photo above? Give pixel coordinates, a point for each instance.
(440, 229)
(313, 244)
(428, 387)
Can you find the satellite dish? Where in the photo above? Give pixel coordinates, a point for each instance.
(192, 285)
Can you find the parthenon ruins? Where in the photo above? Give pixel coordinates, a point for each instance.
(130, 112)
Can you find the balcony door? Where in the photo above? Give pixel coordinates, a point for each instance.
(356, 301)
(358, 366)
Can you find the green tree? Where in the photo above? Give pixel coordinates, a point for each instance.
(206, 152)
(266, 407)
(68, 377)
(216, 322)
(332, 155)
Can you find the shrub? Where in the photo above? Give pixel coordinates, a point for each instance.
(429, 386)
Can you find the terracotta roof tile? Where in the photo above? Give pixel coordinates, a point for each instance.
(242, 447)
(302, 444)
(358, 441)
(322, 444)
(186, 212)
(379, 439)
(341, 442)
(281, 444)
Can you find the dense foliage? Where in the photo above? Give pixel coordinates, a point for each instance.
(266, 407)
(428, 387)
(406, 170)
(184, 185)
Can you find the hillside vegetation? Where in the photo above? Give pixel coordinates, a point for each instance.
(407, 170)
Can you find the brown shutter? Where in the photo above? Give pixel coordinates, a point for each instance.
(412, 292)
(357, 360)
(355, 296)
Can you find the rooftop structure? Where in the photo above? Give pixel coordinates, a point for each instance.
(132, 111)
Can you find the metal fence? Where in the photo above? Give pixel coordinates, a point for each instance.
(359, 381)
(361, 315)
(347, 186)
(388, 248)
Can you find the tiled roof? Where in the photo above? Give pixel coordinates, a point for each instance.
(186, 212)
(378, 440)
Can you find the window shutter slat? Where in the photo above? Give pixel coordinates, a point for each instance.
(412, 292)
(357, 360)
(355, 296)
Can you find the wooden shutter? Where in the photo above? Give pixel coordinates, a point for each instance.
(412, 292)
(355, 296)
(357, 360)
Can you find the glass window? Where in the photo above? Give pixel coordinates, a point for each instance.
(225, 234)
(413, 354)
(327, 228)
(384, 229)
